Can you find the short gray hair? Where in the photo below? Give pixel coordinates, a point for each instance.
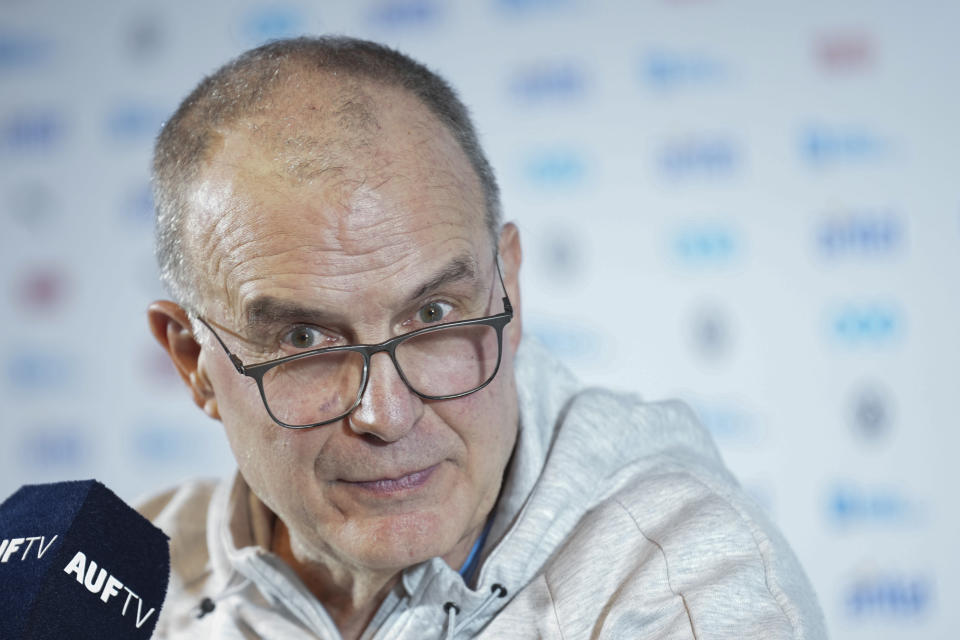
(246, 83)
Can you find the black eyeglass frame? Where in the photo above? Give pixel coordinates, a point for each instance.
(258, 370)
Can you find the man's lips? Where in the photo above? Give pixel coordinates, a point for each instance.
(404, 482)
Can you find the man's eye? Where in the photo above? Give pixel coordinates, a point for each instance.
(303, 337)
(433, 312)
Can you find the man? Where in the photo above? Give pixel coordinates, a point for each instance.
(348, 307)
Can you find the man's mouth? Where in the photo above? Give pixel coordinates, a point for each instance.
(384, 486)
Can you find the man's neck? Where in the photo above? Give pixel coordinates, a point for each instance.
(350, 597)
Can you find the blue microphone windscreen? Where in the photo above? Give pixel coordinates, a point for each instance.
(77, 562)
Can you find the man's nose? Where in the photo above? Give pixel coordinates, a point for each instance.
(388, 408)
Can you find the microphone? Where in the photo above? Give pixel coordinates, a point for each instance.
(77, 562)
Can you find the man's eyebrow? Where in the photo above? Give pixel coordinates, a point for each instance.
(462, 267)
(265, 310)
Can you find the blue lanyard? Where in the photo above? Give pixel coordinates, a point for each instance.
(470, 565)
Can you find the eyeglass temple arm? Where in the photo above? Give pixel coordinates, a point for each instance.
(237, 363)
(507, 306)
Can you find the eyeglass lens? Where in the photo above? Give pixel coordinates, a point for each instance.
(446, 362)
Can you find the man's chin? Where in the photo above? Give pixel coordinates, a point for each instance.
(402, 540)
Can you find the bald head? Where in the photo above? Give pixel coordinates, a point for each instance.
(299, 182)
(312, 105)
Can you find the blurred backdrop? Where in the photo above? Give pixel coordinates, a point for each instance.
(751, 205)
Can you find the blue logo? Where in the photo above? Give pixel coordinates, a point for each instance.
(667, 70)
(57, 446)
(39, 130)
(848, 504)
(35, 371)
(709, 244)
(272, 23)
(134, 121)
(556, 168)
(163, 443)
(404, 13)
(549, 82)
(699, 156)
(821, 145)
(873, 324)
(891, 596)
(860, 234)
(18, 50)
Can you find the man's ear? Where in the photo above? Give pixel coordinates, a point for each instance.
(171, 327)
(511, 256)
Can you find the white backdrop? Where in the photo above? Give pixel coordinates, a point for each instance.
(752, 205)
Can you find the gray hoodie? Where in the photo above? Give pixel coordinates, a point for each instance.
(617, 519)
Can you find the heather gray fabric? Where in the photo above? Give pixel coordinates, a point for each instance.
(617, 520)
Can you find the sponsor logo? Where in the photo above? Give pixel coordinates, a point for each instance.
(822, 145)
(849, 504)
(871, 412)
(867, 324)
(37, 371)
(708, 244)
(35, 130)
(134, 121)
(556, 168)
(145, 37)
(560, 256)
(699, 156)
(20, 50)
(11, 546)
(104, 584)
(163, 443)
(548, 82)
(271, 23)
(404, 13)
(845, 51)
(711, 334)
(889, 596)
(42, 289)
(860, 233)
(672, 70)
(53, 446)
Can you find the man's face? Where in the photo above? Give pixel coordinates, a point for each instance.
(353, 253)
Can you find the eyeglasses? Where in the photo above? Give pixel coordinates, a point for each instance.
(440, 362)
